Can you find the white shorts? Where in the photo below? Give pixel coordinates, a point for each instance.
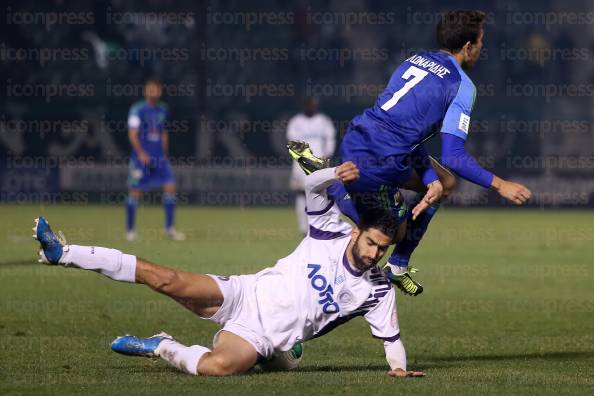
(239, 313)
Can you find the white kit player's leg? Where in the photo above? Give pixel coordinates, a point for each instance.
(109, 262)
(301, 214)
(164, 346)
(180, 356)
(230, 355)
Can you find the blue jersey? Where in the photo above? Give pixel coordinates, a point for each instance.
(428, 92)
(150, 122)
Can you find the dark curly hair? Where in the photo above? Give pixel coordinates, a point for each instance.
(458, 27)
(380, 219)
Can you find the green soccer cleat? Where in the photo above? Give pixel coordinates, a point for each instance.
(403, 279)
(306, 159)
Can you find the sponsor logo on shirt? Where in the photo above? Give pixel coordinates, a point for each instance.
(326, 292)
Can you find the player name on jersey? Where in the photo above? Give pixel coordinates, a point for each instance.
(431, 66)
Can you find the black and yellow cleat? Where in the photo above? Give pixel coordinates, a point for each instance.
(403, 279)
(306, 159)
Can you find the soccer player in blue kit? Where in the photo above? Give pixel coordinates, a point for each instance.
(149, 166)
(428, 93)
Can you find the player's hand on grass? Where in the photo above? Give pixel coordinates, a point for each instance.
(434, 193)
(402, 373)
(513, 192)
(347, 172)
(144, 158)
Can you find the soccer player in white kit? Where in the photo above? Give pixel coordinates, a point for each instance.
(330, 278)
(318, 131)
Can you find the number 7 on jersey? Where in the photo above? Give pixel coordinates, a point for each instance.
(416, 74)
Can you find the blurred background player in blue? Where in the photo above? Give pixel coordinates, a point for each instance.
(149, 166)
(318, 131)
(428, 93)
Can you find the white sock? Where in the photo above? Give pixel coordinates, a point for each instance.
(109, 262)
(180, 356)
(301, 215)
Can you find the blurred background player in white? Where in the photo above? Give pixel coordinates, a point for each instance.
(330, 278)
(317, 129)
(149, 166)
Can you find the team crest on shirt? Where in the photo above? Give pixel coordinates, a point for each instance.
(345, 297)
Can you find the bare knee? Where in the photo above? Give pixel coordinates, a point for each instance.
(448, 181)
(217, 365)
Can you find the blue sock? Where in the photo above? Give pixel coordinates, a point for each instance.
(169, 205)
(131, 205)
(414, 233)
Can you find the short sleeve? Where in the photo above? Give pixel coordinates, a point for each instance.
(457, 118)
(134, 117)
(383, 318)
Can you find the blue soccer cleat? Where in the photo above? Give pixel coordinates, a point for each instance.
(52, 245)
(136, 346)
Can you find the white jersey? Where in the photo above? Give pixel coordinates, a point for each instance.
(315, 288)
(319, 132)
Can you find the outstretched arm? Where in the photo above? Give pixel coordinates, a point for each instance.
(323, 217)
(317, 182)
(455, 128)
(396, 357)
(383, 321)
(456, 158)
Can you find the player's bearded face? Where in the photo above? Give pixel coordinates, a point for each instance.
(368, 249)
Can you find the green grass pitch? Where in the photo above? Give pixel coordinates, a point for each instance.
(508, 306)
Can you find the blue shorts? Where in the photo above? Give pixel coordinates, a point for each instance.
(146, 177)
(380, 175)
(353, 205)
(378, 169)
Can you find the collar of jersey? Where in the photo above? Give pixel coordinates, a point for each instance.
(349, 267)
(458, 67)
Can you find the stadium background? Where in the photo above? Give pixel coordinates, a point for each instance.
(234, 74)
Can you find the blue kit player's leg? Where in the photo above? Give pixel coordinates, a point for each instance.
(165, 176)
(339, 194)
(414, 233)
(136, 181)
(416, 229)
(377, 186)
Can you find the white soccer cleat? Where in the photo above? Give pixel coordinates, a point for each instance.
(175, 235)
(131, 236)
